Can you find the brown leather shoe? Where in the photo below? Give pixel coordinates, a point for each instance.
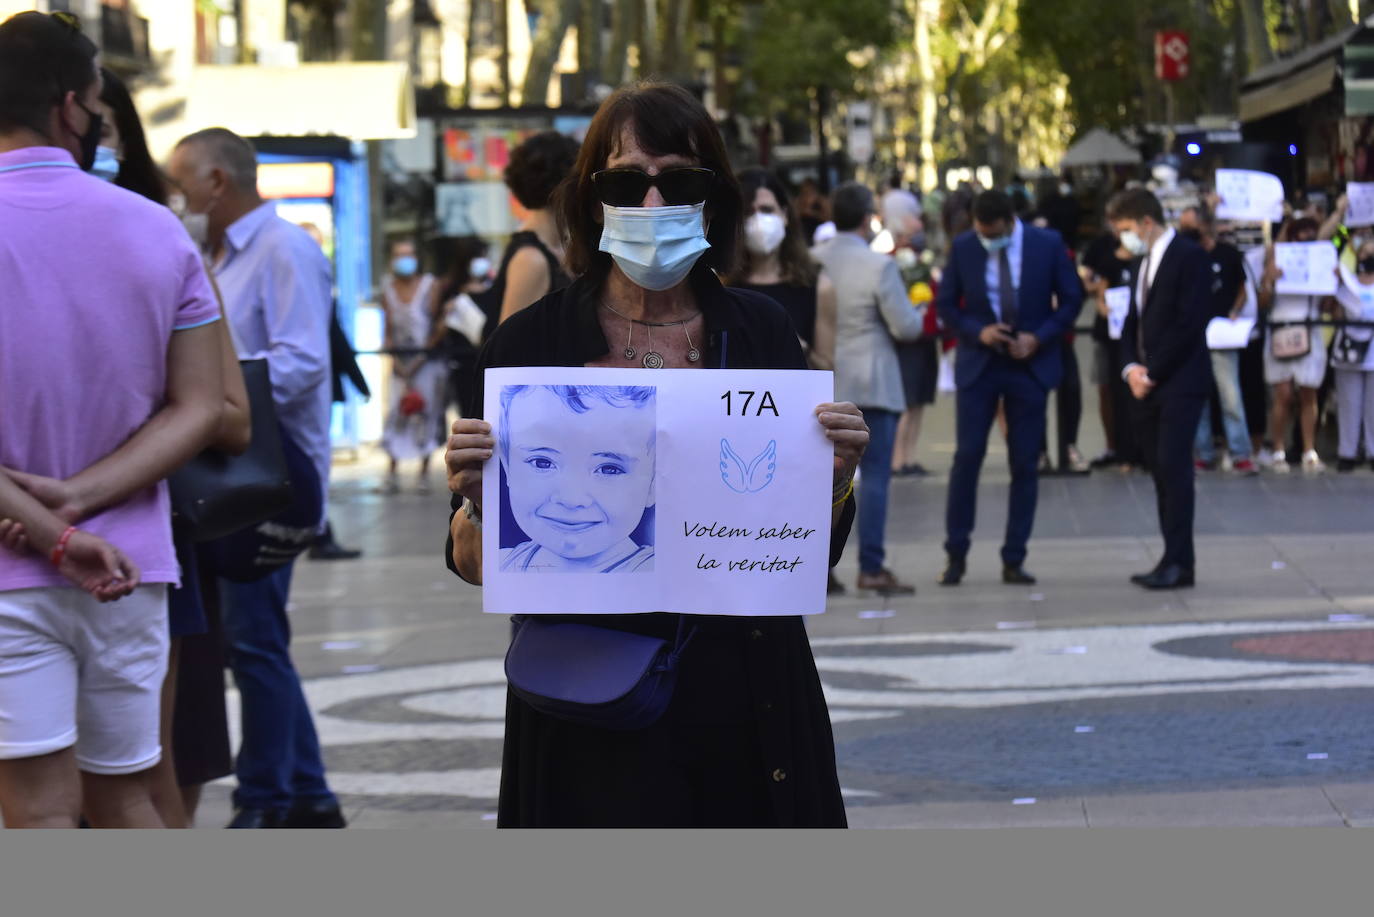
(884, 583)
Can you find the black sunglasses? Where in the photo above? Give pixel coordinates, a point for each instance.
(627, 187)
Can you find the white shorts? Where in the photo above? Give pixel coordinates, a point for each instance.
(1307, 372)
(76, 672)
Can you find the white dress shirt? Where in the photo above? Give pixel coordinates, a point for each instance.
(994, 285)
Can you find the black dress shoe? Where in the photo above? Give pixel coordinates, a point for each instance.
(255, 818)
(954, 572)
(833, 586)
(318, 813)
(1016, 576)
(333, 551)
(1171, 577)
(1141, 579)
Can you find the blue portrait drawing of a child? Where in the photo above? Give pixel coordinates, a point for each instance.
(578, 463)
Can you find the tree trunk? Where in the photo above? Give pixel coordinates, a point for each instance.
(926, 12)
(648, 38)
(616, 68)
(502, 10)
(1258, 49)
(471, 47)
(590, 48)
(675, 40)
(554, 19)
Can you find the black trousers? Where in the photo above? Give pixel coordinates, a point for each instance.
(1068, 402)
(1165, 427)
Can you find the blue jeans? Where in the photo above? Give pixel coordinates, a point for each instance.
(875, 474)
(1226, 371)
(279, 761)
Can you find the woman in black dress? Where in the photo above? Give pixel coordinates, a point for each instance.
(777, 262)
(746, 740)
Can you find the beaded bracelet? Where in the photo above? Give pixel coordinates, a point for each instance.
(59, 550)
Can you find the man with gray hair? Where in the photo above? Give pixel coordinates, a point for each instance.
(873, 312)
(277, 294)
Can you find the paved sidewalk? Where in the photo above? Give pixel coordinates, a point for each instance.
(1241, 702)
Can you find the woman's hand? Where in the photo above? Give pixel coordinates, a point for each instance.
(58, 496)
(468, 449)
(844, 426)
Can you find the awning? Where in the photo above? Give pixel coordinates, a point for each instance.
(1099, 148)
(359, 101)
(1292, 81)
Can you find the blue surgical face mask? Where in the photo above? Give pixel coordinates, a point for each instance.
(995, 245)
(656, 247)
(405, 266)
(1132, 242)
(106, 165)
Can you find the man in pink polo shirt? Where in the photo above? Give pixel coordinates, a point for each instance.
(109, 380)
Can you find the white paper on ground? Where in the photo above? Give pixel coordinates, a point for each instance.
(1229, 334)
(1360, 204)
(1309, 268)
(732, 517)
(1118, 307)
(1251, 197)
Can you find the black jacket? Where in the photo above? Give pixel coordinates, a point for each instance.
(1174, 328)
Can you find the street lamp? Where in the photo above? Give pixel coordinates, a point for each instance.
(1285, 34)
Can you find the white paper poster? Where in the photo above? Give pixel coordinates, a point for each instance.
(1308, 268)
(700, 491)
(1118, 307)
(1246, 196)
(1359, 209)
(1229, 334)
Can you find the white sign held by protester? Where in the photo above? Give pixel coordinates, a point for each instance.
(1308, 268)
(1251, 197)
(1118, 307)
(1359, 210)
(694, 491)
(1229, 334)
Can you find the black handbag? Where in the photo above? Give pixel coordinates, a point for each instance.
(216, 494)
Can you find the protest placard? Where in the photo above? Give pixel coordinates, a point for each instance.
(1359, 210)
(695, 491)
(1308, 268)
(1118, 307)
(1248, 196)
(1229, 334)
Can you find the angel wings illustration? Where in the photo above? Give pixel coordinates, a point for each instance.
(750, 477)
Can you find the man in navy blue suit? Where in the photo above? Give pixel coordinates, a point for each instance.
(1010, 293)
(1164, 347)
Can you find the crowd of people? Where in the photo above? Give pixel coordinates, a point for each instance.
(209, 320)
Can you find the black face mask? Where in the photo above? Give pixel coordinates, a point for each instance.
(1366, 265)
(90, 140)
(1192, 234)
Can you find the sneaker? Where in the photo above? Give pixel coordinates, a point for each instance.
(1227, 465)
(1245, 468)
(1279, 462)
(1104, 459)
(1312, 463)
(1200, 465)
(1265, 458)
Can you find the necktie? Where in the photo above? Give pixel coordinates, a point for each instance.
(1140, 310)
(1006, 292)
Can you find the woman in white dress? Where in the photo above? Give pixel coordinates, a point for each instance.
(414, 420)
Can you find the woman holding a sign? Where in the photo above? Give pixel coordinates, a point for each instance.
(1295, 351)
(743, 738)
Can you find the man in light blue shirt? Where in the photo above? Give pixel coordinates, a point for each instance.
(278, 298)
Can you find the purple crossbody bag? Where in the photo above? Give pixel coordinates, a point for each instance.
(594, 676)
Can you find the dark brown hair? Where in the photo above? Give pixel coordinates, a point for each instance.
(42, 58)
(538, 166)
(798, 267)
(666, 120)
(1135, 204)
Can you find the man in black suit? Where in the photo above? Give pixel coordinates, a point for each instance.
(1164, 347)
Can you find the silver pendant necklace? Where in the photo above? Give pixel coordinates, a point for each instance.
(653, 359)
